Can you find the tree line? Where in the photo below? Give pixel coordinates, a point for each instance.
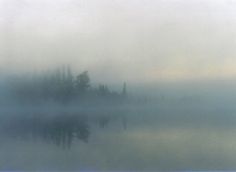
(62, 86)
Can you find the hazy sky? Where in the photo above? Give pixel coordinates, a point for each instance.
(134, 40)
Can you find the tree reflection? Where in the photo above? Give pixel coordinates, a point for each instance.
(103, 121)
(59, 129)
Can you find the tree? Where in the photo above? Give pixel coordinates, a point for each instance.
(82, 83)
(124, 91)
(68, 85)
(103, 91)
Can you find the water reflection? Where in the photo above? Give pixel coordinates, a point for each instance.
(160, 141)
(103, 121)
(60, 129)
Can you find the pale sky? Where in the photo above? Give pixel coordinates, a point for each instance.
(132, 40)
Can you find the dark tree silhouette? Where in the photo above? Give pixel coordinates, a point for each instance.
(124, 91)
(82, 83)
(62, 87)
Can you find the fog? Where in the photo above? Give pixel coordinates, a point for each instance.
(117, 85)
(136, 41)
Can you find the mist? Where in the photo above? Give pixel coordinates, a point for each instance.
(136, 41)
(117, 85)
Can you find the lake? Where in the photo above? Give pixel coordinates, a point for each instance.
(136, 139)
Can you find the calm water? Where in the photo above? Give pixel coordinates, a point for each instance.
(167, 139)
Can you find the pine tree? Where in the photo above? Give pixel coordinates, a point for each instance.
(124, 90)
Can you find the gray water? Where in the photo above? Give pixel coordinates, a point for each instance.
(177, 138)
